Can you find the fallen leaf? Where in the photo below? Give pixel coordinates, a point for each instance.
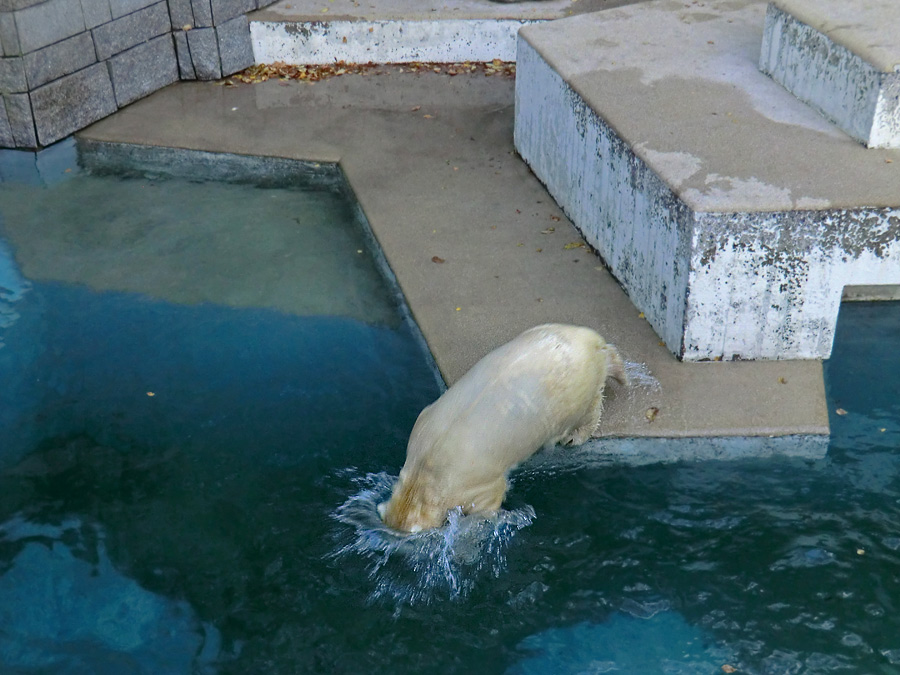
(841, 411)
(436, 259)
(574, 244)
(883, 429)
(888, 161)
(428, 117)
(538, 250)
(150, 393)
(860, 551)
(728, 669)
(417, 108)
(458, 309)
(549, 230)
(554, 218)
(781, 380)
(641, 315)
(651, 414)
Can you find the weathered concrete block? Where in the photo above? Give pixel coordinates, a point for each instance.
(12, 75)
(202, 10)
(719, 201)
(133, 29)
(144, 69)
(442, 41)
(205, 53)
(181, 14)
(72, 102)
(59, 59)
(9, 35)
(841, 58)
(120, 8)
(49, 22)
(183, 53)
(6, 137)
(96, 12)
(225, 10)
(21, 120)
(235, 48)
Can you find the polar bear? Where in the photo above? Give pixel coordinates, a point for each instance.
(542, 388)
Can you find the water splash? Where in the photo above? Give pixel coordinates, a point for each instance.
(415, 569)
(639, 376)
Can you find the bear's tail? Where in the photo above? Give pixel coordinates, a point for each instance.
(615, 367)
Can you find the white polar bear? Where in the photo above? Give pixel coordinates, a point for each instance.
(542, 388)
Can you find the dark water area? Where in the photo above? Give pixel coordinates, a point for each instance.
(191, 456)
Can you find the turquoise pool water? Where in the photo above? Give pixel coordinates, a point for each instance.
(207, 387)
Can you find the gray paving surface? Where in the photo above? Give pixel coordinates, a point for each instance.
(427, 10)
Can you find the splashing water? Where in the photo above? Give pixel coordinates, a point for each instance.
(414, 569)
(639, 376)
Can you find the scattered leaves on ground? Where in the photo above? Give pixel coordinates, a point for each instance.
(651, 414)
(314, 73)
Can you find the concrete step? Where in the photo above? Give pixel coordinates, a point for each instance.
(842, 58)
(733, 214)
(401, 31)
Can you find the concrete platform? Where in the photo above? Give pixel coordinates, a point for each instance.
(401, 31)
(843, 59)
(733, 214)
(431, 160)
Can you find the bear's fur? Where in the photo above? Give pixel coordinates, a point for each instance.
(542, 388)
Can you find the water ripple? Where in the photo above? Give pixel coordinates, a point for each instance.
(413, 569)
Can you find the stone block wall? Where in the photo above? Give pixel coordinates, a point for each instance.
(65, 64)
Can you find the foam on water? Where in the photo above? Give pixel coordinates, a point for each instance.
(413, 569)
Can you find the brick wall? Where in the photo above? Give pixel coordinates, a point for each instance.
(67, 63)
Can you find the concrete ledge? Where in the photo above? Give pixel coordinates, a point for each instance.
(447, 41)
(841, 58)
(401, 31)
(719, 201)
(647, 450)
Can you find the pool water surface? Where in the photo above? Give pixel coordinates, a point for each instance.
(208, 384)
